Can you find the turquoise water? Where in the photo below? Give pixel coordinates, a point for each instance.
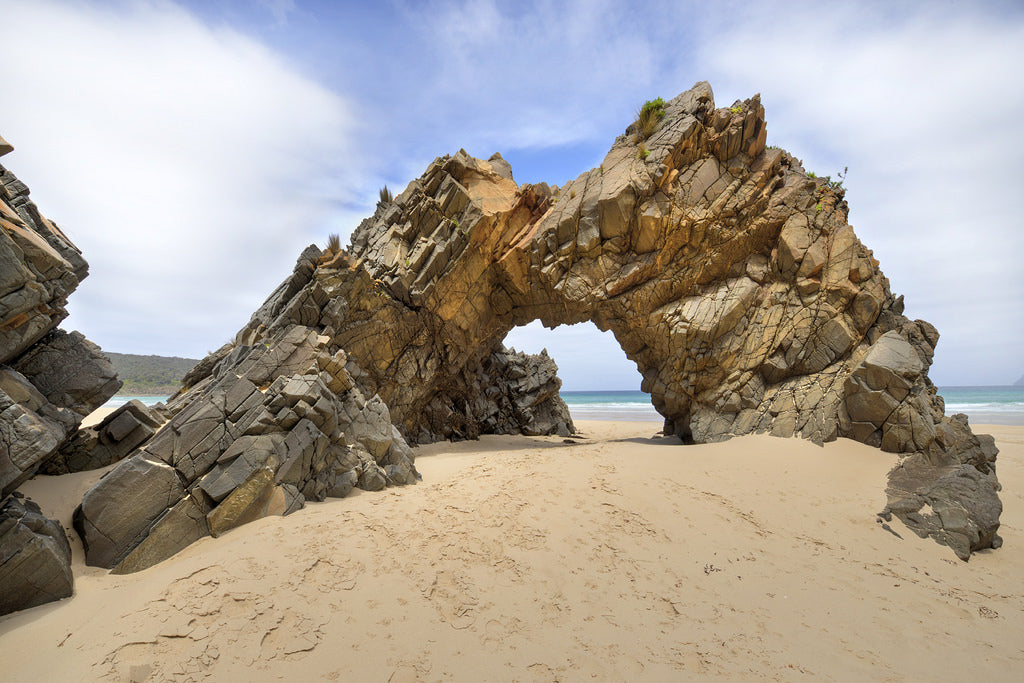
(610, 405)
(118, 401)
(983, 405)
(986, 405)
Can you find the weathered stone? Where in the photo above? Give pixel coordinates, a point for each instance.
(182, 525)
(116, 514)
(712, 260)
(248, 502)
(35, 557)
(372, 428)
(49, 380)
(70, 371)
(372, 478)
(343, 484)
(117, 435)
(957, 505)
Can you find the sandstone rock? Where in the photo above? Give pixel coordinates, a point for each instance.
(35, 557)
(127, 501)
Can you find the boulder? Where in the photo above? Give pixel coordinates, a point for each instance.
(117, 435)
(35, 557)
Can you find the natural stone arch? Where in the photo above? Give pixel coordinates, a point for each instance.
(726, 273)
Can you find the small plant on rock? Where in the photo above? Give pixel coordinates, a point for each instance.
(648, 117)
(840, 179)
(385, 195)
(333, 244)
(643, 152)
(738, 109)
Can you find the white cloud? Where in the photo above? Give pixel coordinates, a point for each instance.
(198, 161)
(177, 157)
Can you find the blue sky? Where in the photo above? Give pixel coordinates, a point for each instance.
(192, 149)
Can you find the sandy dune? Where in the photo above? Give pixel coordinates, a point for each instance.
(620, 557)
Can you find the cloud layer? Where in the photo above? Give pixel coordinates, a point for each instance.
(191, 165)
(192, 152)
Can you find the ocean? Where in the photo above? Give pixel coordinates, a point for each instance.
(982, 405)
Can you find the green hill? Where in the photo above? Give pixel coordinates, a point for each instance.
(149, 375)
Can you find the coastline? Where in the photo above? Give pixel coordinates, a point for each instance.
(619, 555)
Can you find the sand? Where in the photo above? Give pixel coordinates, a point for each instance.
(621, 557)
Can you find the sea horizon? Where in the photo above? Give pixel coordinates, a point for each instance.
(983, 404)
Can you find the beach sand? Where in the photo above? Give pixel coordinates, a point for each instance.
(623, 556)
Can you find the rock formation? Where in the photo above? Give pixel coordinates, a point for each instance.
(107, 442)
(728, 274)
(35, 557)
(49, 381)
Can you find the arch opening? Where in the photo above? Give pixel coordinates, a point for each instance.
(599, 382)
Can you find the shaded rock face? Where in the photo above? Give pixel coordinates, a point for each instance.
(35, 557)
(271, 426)
(49, 379)
(726, 273)
(128, 427)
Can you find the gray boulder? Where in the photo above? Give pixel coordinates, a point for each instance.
(105, 443)
(35, 557)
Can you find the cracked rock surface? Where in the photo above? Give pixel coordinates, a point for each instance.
(728, 274)
(49, 380)
(35, 557)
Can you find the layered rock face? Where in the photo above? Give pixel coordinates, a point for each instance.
(49, 381)
(117, 435)
(270, 426)
(727, 274)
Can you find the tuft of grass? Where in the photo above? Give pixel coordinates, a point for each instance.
(648, 117)
(643, 152)
(333, 244)
(838, 183)
(385, 195)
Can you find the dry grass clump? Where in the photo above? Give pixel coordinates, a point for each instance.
(385, 195)
(648, 117)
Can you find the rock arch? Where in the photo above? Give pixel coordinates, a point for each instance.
(727, 274)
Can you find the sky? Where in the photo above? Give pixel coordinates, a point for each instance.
(192, 149)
